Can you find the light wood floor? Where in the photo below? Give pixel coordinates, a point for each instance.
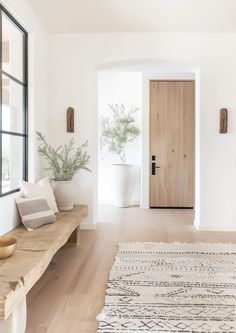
(71, 292)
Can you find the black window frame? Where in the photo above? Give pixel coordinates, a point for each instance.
(24, 85)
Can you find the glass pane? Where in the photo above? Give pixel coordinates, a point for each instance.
(12, 106)
(12, 162)
(12, 49)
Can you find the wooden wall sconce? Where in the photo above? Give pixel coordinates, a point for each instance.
(70, 120)
(223, 120)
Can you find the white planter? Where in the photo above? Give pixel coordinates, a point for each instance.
(124, 183)
(64, 192)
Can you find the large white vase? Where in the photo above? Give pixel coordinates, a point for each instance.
(64, 192)
(124, 183)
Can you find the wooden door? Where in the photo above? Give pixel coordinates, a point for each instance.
(172, 143)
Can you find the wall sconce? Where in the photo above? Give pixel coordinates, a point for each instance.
(223, 120)
(70, 120)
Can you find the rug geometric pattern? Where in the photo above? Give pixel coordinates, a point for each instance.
(168, 287)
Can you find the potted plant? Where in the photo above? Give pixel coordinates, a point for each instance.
(116, 132)
(64, 162)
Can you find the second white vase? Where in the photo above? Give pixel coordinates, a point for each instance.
(124, 183)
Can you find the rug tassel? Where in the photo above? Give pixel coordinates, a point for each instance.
(101, 316)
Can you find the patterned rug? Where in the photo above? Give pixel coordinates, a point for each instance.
(163, 287)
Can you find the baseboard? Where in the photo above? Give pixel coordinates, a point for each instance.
(221, 228)
(111, 203)
(218, 228)
(196, 224)
(88, 226)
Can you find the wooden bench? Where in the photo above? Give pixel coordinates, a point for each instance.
(34, 251)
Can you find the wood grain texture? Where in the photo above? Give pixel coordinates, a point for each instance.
(70, 120)
(172, 142)
(33, 254)
(223, 121)
(74, 239)
(71, 292)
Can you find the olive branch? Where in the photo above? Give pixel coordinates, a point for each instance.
(64, 161)
(117, 132)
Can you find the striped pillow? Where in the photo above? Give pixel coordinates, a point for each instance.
(34, 212)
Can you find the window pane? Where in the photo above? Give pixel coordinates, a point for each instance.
(12, 48)
(12, 162)
(12, 106)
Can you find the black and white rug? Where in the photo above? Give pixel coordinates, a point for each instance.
(167, 287)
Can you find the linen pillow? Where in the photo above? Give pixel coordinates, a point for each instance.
(41, 189)
(34, 212)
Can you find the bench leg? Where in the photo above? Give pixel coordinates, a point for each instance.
(16, 323)
(74, 237)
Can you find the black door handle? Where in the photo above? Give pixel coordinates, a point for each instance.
(154, 167)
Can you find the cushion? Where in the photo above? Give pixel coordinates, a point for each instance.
(41, 189)
(35, 212)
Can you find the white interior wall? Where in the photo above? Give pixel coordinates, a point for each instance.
(38, 98)
(118, 88)
(73, 64)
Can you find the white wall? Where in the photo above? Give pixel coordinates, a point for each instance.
(118, 88)
(38, 98)
(73, 77)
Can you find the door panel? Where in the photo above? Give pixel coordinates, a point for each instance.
(172, 143)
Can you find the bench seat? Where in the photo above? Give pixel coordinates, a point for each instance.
(34, 251)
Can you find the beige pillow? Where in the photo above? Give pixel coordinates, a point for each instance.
(35, 212)
(41, 189)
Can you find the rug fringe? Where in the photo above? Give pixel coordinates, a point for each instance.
(178, 246)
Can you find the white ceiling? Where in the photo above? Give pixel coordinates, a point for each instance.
(71, 16)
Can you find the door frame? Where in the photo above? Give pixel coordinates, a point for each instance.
(151, 69)
(150, 153)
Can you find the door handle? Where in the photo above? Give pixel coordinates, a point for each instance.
(154, 167)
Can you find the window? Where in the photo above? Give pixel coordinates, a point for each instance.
(13, 104)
